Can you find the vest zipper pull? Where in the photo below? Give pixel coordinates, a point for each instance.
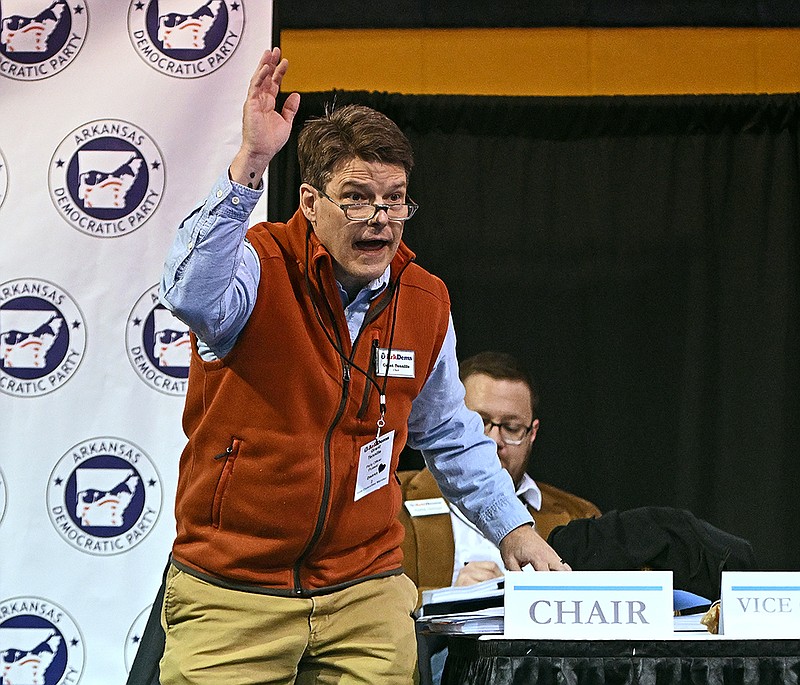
(224, 454)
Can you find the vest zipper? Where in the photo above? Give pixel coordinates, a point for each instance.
(326, 450)
(372, 314)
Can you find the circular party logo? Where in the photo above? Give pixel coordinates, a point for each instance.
(39, 643)
(107, 178)
(185, 38)
(40, 38)
(158, 344)
(104, 496)
(42, 337)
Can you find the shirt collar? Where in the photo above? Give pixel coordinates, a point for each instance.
(529, 492)
(374, 288)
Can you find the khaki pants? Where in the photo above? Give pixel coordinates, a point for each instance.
(362, 635)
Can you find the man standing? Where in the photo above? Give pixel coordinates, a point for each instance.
(319, 349)
(446, 548)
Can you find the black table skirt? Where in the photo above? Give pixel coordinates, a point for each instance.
(622, 662)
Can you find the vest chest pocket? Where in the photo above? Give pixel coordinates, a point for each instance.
(228, 457)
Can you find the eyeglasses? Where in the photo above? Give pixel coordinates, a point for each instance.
(400, 211)
(510, 433)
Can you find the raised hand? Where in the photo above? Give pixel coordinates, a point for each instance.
(265, 130)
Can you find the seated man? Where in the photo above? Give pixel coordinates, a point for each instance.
(445, 549)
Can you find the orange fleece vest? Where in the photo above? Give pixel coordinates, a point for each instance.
(265, 497)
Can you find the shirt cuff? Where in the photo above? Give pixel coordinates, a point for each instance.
(231, 199)
(504, 516)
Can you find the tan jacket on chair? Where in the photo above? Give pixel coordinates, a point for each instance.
(428, 547)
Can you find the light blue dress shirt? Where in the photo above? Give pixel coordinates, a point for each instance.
(210, 281)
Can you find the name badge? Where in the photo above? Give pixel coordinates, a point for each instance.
(760, 604)
(427, 507)
(374, 465)
(589, 605)
(400, 363)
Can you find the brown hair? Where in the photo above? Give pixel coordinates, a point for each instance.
(344, 133)
(500, 366)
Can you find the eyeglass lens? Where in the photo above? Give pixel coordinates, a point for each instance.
(513, 435)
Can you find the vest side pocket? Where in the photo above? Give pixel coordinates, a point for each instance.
(229, 457)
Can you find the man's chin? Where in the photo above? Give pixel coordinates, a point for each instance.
(371, 265)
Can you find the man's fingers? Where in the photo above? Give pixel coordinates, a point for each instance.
(290, 107)
(280, 71)
(269, 63)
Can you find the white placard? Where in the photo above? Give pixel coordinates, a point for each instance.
(761, 604)
(589, 605)
(427, 507)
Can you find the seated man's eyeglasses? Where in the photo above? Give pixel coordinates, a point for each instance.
(399, 211)
(510, 433)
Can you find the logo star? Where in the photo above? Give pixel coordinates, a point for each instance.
(76, 325)
(77, 9)
(137, 321)
(60, 163)
(156, 165)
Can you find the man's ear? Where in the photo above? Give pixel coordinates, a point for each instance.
(534, 430)
(308, 202)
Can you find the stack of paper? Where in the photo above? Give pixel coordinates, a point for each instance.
(484, 622)
(470, 609)
(452, 600)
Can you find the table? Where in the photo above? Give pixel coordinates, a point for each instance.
(702, 661)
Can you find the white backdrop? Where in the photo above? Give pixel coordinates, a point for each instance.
(116, 116)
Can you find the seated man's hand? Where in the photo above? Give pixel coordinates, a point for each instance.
(477, 571)
(523, 546)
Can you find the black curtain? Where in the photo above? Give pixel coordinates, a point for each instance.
(641, 255)
(349, 14)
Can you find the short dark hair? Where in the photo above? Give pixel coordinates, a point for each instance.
(500, 366)
(345, 133)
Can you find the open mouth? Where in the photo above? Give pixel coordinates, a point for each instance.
(371, 245)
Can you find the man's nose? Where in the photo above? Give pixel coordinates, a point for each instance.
(381, 217)
(493, 431)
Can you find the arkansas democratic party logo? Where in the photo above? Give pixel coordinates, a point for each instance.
(134, 637)
(107, 178)
(158, 344)
(104, 496)
(40, 643)
(42, 337)
(185, 38)
(40, 38)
